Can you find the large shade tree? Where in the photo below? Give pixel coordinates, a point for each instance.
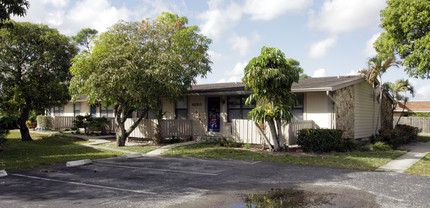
(377, 66)
(134, 64)
(270, 76)
(84, 38)
(12, 7)
(34, 70)
(407, 34)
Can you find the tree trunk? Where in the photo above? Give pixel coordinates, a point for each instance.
(275, 140)
(264, 136)
(403, 110)
(121, 132)
(279, 135)
(25, 133)
(121, 135)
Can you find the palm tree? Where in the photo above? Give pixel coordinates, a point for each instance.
(377, 66)
(405, 86)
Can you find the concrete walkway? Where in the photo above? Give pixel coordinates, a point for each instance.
(167, 147)
(96, 140)
(401, 164)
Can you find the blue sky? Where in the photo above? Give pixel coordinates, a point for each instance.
(328, 37)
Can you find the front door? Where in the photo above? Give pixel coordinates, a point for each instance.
(214, 114)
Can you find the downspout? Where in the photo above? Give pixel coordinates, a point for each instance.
(333, 117)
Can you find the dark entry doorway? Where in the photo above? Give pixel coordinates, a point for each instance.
(214, 114)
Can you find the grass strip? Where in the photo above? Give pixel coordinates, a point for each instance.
(354, 160)
(140, 149)
(46, 150)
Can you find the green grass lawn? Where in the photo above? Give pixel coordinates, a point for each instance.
(45, 150)
(423, 139)
(140, 149)
(422, 167)
(352, 160)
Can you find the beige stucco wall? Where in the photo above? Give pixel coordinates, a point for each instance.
(168, 108)
(68, 109)
(366, 110)
(318, 107)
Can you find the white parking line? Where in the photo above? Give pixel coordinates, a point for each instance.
(83, 184)
(158, 169)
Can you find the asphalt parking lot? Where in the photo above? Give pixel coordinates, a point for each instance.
(191, 182)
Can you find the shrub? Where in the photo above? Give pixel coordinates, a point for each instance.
(320, 140)
(247, 145)
(3, 133)
(349, 145)
(28, 124)
(45, 122)
(223, 142)
(402, 134)
(8, 121)
(89, 123)
(380, 146)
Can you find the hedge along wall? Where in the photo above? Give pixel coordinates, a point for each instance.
(344, 99)
(45, 122)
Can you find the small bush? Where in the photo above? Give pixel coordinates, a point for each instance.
(320, 140)
(247, 145)
(3, 133)
(45, 122)
(223, 142)
(8, 121)
(349, 145)
(28, 124)
(90, 124)
(380, 146)
(402, 134)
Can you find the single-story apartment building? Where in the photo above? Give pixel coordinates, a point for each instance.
(411, 108)
(348, 103)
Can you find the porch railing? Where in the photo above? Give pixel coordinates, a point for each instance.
(242, 130)
(245, 131)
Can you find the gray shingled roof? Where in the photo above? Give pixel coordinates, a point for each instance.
(304, 85)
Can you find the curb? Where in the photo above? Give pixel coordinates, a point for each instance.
(77, 163)
(3, 173)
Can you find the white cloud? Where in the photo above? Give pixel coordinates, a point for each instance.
(351, 73)
(422, 92)
(97, 14)
(216, 20)
(370, 51)
(214, 55)
(319, 73)
(69, 17)
(234, 75)
(270, 9)
(242, 43)
(320, 48)
(337, 16)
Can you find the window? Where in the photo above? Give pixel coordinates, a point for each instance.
(76, 109)
(181, 110)
(48, 112)
(236, 108)
(106, 112)
(58, 111)
(93, 111)
(148, 115)
(298, 110)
